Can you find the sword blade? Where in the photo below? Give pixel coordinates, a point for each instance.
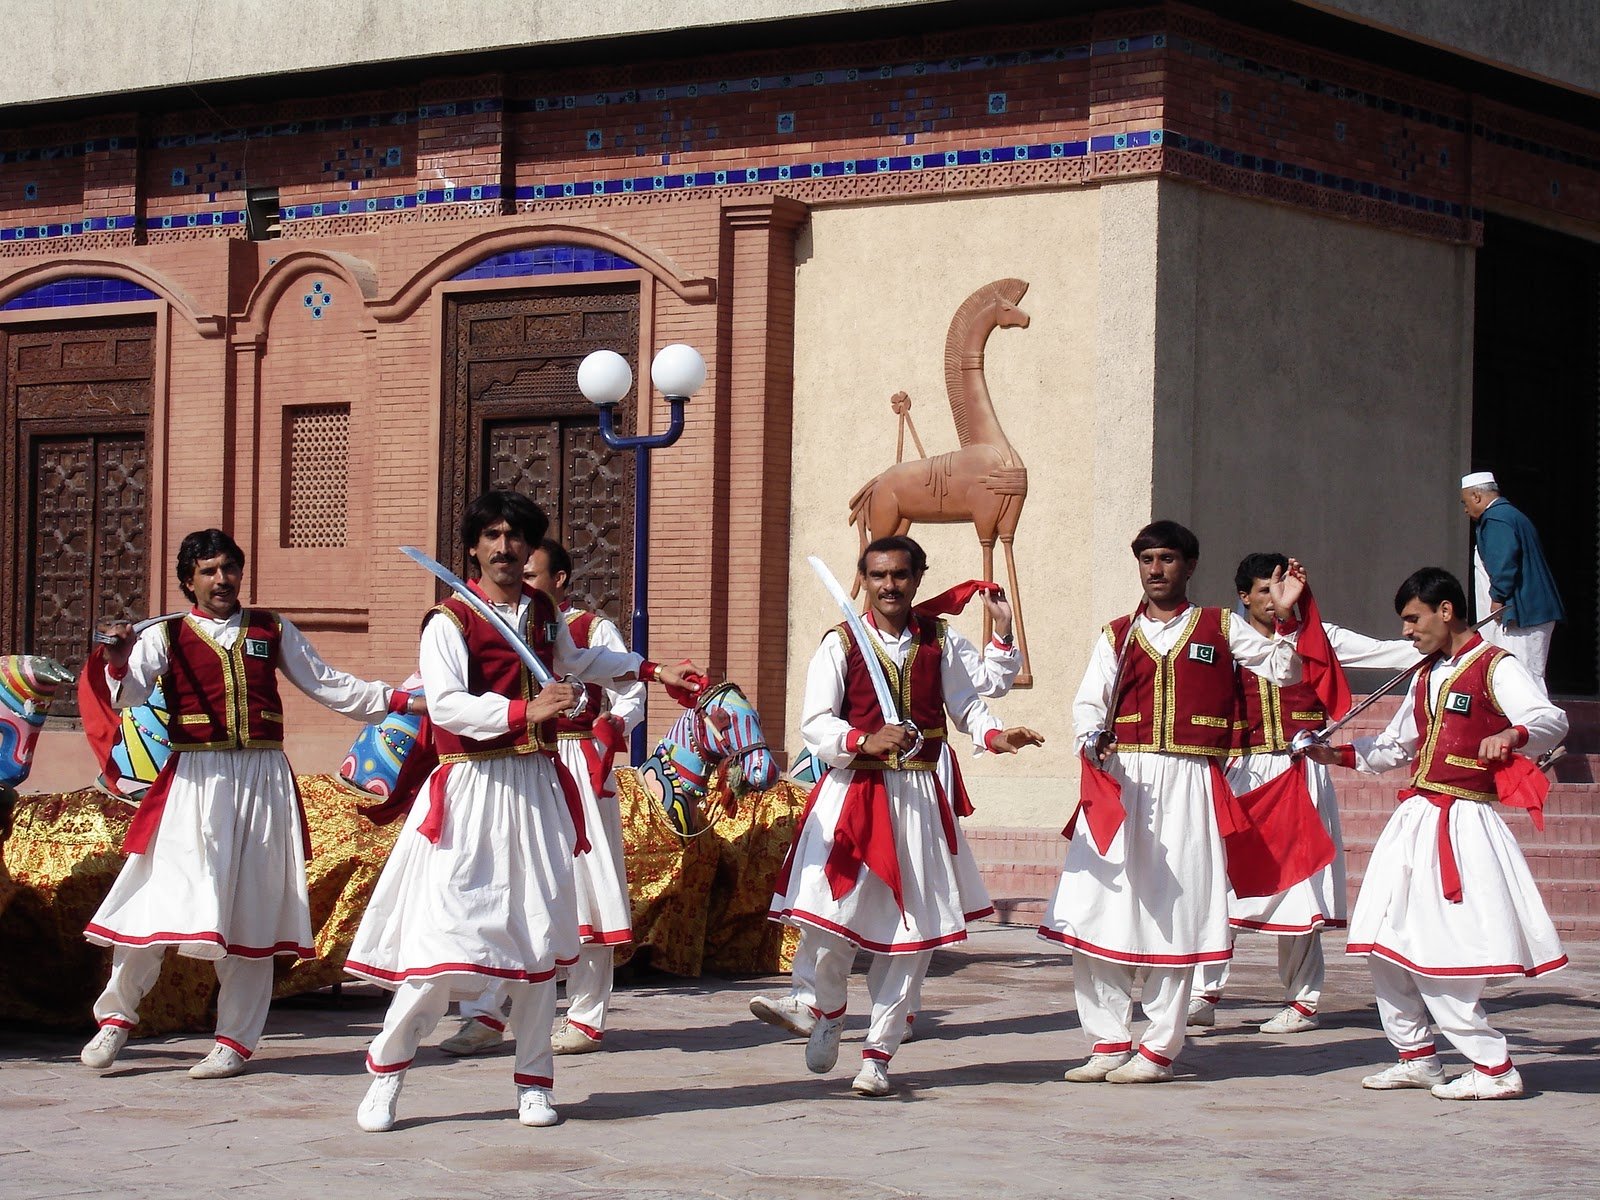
(858, 630)
(484, 609)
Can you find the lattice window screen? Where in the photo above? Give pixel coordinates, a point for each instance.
(316, 504)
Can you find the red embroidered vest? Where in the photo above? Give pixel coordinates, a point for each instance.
(493, 667)
(1272, 715)
(224, 699)
(1183, 702)
(1447, 763)
(580, 624)
(918, 693)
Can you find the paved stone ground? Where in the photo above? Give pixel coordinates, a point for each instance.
(694, 1098)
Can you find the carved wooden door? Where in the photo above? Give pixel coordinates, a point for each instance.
(77, 406)
(515, 419)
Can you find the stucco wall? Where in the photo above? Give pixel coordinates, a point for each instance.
(1315, 396)
(877, 287)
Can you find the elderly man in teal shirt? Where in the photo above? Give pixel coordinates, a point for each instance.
(1510, 575)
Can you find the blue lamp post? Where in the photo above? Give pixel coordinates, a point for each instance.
(604, 378)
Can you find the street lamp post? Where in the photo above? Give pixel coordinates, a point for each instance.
(604, 378)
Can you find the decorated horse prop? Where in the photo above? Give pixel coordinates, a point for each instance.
(28, 683)
(716, 746)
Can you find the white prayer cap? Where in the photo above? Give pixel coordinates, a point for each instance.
(1479, 479)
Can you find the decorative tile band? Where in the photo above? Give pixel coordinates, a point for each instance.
(26, 233)
(546, 260)
(81, 289)
(335, 208)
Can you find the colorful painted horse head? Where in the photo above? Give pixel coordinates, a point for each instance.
(715, 747)
(28, 682)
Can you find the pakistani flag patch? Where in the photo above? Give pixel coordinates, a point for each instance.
(1200, 652)
(1458, 702)
(256, 647)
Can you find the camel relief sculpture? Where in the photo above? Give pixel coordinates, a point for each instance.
(984, 481)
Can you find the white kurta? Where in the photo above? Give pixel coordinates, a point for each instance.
(942, 891)
(1159, 896)
(1500, 927)
(992, 673)
(605, 914)
(494, 898)
(1320, 900)
(224, 872)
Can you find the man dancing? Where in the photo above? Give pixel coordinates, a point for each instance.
(1447, 902)
(479, 888)
(217, 850)
(879, 862)
(1272, 717)
(605, 917)
(1154, 901)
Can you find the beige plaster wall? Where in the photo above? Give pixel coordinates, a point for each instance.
(1314, 396)
(877, 286)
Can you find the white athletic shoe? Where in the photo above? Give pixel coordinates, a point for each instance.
(1407, 1073)
(1475, 1085)
(567, 1038)
(786, 1013)
(873, 1081)
(378, 1107)
(1202, 1012)
(1097, 1067)
(1291, 1020)
(534, 1108)
(822, 1047)
(911, 1029)
(104, 1047)
(1140, 1069)
(474, 1037)
(224, 1062)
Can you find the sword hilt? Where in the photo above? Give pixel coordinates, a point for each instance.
(911, 751)
(578, 709)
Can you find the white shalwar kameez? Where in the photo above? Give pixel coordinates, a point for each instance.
(1156, 904)
(493, 900)
(1530, 643)
(1429, 956)
(942, 891)
(1296, 917)
(224, 874)
(605, 912)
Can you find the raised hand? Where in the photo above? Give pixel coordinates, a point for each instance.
(1287, 588)
(1009, 741)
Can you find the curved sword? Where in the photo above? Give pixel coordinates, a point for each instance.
(858, 630)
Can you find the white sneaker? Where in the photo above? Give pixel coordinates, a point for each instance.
(1140, 1069)
(911, 1028)
(786, 1013)
(1291, 1020)
(224, 1062)
(567, 1038)
(1202, 1012)
(534, 1107)
(378, 1107)
(1475, 1085)
(822, 1047)
(474, 1037)
(104, 1047)
(1097, 1068)
(873, 1081)
(1407, 1073)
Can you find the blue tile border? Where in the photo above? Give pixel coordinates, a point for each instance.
(553, 259)
(80, 289)
(28, 233)
(374, 204)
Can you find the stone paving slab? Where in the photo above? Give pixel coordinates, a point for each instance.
(694, 1098)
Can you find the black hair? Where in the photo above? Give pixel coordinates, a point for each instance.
(1433, 586)
(1167, 535)
(558, 558)
(516, 510)
(203, 544)
(898, 543)
(1256, 566)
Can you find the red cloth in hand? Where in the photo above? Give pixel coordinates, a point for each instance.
(684, 696)
(864, 836)
(951, 602)
(1282, 841)
(1322, 669)
(1520, 784)
(1099, 803)
(101, 721)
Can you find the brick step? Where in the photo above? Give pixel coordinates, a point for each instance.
(1555, 864)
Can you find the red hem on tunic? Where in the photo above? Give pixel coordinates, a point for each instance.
(827, 926)
(1292, 930)
(1401, 960)
(604, 937)
(1124, 956)
(379, 975)
(92, 931)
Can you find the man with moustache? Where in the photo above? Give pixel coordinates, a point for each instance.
(1157, 708)
(479, 888)
(879, 862)
(217, 850)
(1447, 902)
